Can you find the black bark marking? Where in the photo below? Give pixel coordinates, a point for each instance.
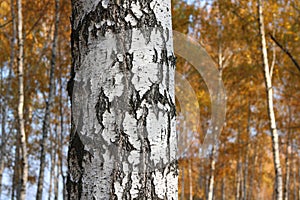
(155, 56)
(102, 106)
(123, 142)
(126, 65)
(89, 27)
(115, 14)
(126, 194)
(134, 103)
(75, 161)
(172, 59)
(153, 97)
(164, 57)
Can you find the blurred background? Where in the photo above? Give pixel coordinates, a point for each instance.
(240, 166)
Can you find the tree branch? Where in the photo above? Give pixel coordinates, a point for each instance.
(285, 51)
(6, 23)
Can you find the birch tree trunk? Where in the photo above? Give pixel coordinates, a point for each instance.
(123, 140)
(52, 168)
(272, 120)
(223, 189)
(221, 66)
(212, 174)
(238, 167)
(16, 173)
(287, 156)
(21, 131)
(7, 93)
(248, 147)
(254, 161)
(190, 179)
(61, 137)
(46, 121)
(182, 183)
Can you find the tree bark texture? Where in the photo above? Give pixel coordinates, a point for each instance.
(271, 114)
(7, 93)
(123, 140)
(21, 126)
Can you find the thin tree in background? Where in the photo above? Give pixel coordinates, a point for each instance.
(61, 136)
(269, 92)
(7, 93)
(21, 129)
(287, 156)
(49, 104)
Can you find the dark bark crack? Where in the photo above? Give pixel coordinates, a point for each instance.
(102, 105)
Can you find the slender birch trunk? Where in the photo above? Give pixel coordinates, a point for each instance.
(221, 66)
(61, 137)
(51, 170)
(46, 121)
(16, 173)
(272, 120)
(5, 108)
(260, 190)
(1, 171)
(53, 177)
(22, 135)
(295, 175)
(238, 173)
(56, 176)
(287, 157)
(190, 179)
(223, 189)
(123, 140)
(212, 174)
(182, 183)
(254, 161)
(246, 169)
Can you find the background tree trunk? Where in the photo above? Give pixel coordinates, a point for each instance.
(212, 174)
(7, 93)
(272, 120)
(22, 135)
(190, 178)
(46, 122)
(287, 156)
(123, 140)
(61, 137)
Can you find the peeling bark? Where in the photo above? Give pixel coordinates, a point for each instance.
(123, 141)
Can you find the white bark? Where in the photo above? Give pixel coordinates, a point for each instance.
(272, 120)
(123, 141)
(212, 174)
(4, 135)
(22, 135)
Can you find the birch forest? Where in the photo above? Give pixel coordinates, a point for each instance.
(255, 45)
